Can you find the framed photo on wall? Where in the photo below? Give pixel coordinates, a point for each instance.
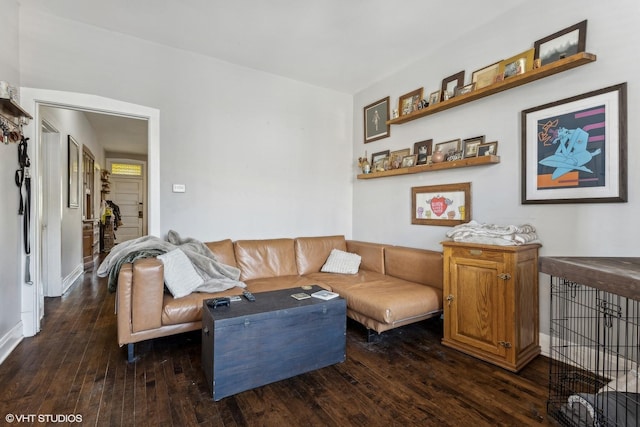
(447, 205)
(575, 150)
(73, 172)
(375, 120)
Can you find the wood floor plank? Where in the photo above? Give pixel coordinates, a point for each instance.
(405, 378)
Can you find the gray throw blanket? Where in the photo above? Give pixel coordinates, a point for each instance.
(216, 275)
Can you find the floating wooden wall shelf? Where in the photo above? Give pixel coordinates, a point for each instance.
(462, 163)
(556, 67)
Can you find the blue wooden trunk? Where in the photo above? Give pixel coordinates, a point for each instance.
(250, 344)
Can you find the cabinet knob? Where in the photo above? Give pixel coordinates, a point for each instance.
(504, 276)
(505, 344)
(449, 298)
(205, 331)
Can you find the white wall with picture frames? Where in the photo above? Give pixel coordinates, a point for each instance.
(589, 229)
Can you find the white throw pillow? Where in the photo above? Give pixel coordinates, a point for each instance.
(180, 276)
(341, 262)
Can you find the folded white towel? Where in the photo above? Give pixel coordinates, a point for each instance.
(492, 234)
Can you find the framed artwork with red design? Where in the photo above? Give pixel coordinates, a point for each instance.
(447, 205)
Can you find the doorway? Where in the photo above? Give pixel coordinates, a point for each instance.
(51, 222)
(33, 294)
(128, 194)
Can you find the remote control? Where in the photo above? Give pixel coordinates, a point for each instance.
(249, 296)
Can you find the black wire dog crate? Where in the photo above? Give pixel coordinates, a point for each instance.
(594, 345)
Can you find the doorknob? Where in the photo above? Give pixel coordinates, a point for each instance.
(139, 210)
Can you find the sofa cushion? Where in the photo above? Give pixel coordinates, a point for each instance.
(188, 309)
(415, 265)
(180, 276)
(341, 262)
(265, 258)
(385, 299)
(372, 254)
(223, 250)
(312, 252)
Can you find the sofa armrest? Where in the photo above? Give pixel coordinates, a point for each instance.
(372, 255)
(140, 295)
(415, 265)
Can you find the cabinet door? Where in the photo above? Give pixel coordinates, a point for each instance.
(477, 304)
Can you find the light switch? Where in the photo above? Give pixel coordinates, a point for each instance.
(179, 188)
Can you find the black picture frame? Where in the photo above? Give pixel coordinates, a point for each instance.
(376, 116)
(575, 150)
(561, 44)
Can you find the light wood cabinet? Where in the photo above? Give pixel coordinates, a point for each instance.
(491, 302)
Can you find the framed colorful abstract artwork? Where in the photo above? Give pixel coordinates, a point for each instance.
(575, 150)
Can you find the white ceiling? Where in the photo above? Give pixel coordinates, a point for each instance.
(119, 134)
(344, 45)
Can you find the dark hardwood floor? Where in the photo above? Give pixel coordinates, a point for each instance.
(406, 378)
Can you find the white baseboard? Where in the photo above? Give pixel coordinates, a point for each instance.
(545, 344)
(71, 278)
(9, 341)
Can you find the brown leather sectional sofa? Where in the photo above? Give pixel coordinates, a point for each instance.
(394, 286)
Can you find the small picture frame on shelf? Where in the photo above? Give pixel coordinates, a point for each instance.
(379, 156)
(465, 89)
(422, 150)
(408, 103)
(434, 97)
(395, 157)
(485, 76)
(470, 146)
(449, 148)
(488, 149)
(408, 161)
(518, 64)
(561, 44)
(449, 85)
(380, 161)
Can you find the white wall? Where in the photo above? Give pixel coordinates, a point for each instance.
(382, 206)
(74, 123)
(10, 222)
(260, 155)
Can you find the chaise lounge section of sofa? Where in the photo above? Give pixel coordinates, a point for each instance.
(394, 285)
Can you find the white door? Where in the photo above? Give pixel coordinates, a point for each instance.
(128, 195)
